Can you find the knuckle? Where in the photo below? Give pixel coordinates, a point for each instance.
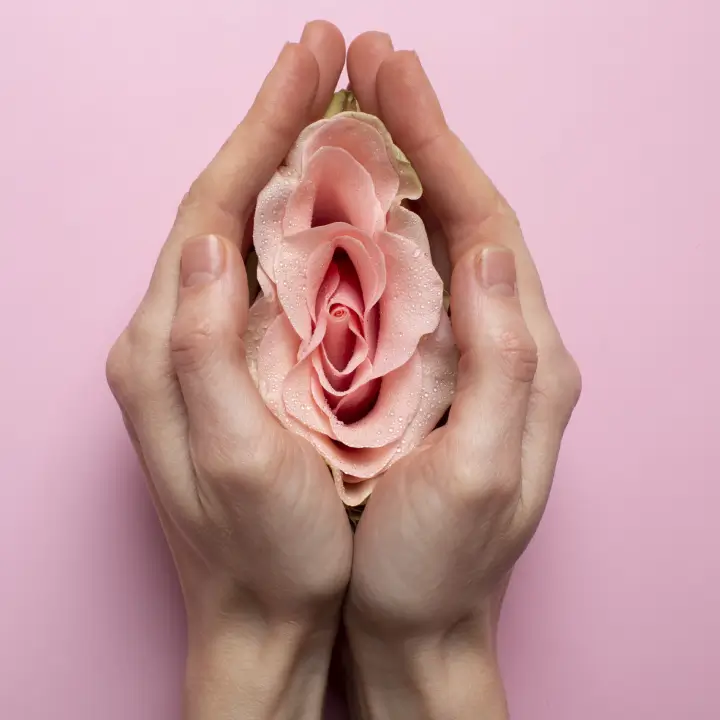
(192, 345)
(117, 366)
(476, 479)
(518, 354)
(215, 458)
(130, 374)
(561, 382)
(205, 208)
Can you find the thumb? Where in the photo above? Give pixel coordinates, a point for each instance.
(498, 356)
(228, 421)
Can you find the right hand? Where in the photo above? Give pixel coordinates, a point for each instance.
(445, 525)
(259, 536)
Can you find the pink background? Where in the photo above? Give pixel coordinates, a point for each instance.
(599, 120)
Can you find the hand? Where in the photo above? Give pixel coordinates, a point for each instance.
(259, 536)
(444, 527)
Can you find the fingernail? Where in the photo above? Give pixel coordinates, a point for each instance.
(202, 261)
(497, 272)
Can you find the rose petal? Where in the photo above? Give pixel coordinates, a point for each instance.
(276, 357)
(339, 340)
(364, 369)
(352, 490)
(299, 402)
(404, 222)
(439, 371)
(269, 215)
(356, 405)
(334, 187)
(362, 374)
(303, 261)
(338, 376)
(348, 291)
(439, 357)
(411, 304)
(409, 183)
(260, 316)
(362, 140)
(397, 402)
(326, 286)
(327, 289)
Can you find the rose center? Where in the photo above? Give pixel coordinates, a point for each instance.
(339, 341)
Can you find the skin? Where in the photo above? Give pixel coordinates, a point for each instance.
(260, 539)
(436, 545)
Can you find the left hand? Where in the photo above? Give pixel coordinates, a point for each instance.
(445, 525)
(259, 536)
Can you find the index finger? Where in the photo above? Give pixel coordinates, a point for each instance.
(472, 211)
(221, 199)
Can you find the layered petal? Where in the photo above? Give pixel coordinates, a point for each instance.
(260, 316)
(398, 399)
(406, 223)
(411, 305)
(303, 261)
(365, 144)
(382, 150)
(356, 479)
(269, 217)
(334, 187)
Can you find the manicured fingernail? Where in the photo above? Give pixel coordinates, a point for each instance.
(202, 261)
(497, 272)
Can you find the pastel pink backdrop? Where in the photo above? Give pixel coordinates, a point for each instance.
(598, 120)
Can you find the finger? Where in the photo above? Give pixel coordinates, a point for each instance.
(498, 359)
(229, 424)
(140, 364)
(474, 214)
(365, 55)
(464, 199)
(327, 44)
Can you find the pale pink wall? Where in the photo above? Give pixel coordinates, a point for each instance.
(599, 120)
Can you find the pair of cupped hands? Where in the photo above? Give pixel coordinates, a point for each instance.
(268, 564)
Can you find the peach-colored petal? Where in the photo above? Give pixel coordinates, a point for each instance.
(319, 312)
(360, 353)
(365, 144)
(334, 187)
(269, 215)
(362, 374)
(439, 357)
(260, 316)
(362, 463)
(276, 358)
(439, 372)
(339, 341)
(348, 291)
(408, 187)
(411, 304)
(353, 490)
(397, 402)
(299, 402)
(356, 405)
(326, 289)
(304, 259)
(401, 221)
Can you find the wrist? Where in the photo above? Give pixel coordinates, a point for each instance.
(450, 675)
(256, 669)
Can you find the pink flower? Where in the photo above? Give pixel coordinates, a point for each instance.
(349, 342)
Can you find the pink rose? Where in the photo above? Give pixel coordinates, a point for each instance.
(349, 343)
